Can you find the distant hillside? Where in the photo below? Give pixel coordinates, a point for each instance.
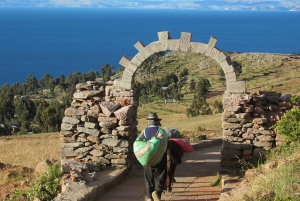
(261, 71)
(278, 72)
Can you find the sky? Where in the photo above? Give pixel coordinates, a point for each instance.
(274, 5)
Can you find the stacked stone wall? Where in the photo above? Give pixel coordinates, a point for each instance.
(99, 128)
(247, 125)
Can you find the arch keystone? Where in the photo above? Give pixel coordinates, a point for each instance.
(163, 36)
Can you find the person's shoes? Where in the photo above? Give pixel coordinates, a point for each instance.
(155, 196)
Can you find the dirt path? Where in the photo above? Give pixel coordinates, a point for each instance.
(193, 180)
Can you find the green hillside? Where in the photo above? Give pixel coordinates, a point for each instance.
(261, 71)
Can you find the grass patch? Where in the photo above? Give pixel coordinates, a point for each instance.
(29, 150)
(280, 183)
(217, 181)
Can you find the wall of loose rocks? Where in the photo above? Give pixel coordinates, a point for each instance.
(247, 125)
(99, 128)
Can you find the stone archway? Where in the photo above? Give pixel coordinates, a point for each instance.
(183, 44)
(100, 126)
(233, 116)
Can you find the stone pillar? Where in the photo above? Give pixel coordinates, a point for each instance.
(247, 124)
(99, 128)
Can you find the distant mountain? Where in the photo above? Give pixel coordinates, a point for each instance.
(272, 5)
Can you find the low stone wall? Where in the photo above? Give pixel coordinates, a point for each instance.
(99, 128)
(247, 125)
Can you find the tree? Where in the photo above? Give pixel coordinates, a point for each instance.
(203, 86)
(6, 109)
(193, 85)
(184, 73)
(45, 81)
(92, 75)
(38, 125)
(61, 81)
(106, 72)
(6, 91)
(72, 80)
(24, 109)
(17, 89)
(5, 129)
(237, 68)
(218, 106)
(49, 119)
(222, 77)
(31, 84)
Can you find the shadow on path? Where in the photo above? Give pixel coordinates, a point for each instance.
(193, 179)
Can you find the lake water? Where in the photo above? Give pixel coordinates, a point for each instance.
(64, 40)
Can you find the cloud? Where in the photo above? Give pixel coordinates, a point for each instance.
(164, 4)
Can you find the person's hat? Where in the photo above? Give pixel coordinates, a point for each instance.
(152, 116)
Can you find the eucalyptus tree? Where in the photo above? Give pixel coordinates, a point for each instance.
(106, 72)
(31, 84)
(203, 86)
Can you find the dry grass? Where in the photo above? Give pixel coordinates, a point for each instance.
(182, 123)
(279, 183)
(29, 150)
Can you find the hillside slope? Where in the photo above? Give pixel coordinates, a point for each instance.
(260, 71)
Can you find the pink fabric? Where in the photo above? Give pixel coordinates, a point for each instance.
(184, 144)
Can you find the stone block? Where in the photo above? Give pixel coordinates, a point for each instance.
(226, 125)
(67, 152)
(108, 108)
(91, 125)
(173, 44)
(96, 152)
(70, 120)
(230, 163)
(231, 145)
(118, 161)
(110, 142)
(232, 152)
(87, 94)
(73, 112)
(266, 145)
(266, 138)
(260, 121)
(93, 132)
(71, 145)
(236, 87)
(66, 127)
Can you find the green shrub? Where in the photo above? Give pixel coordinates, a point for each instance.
(289, 124)
(45, 187)
(197, 137)
(295, 99)
(200, 128)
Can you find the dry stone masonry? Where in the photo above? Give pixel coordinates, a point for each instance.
(247, 125)
(99, 128)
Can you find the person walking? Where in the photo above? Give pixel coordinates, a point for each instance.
(155, 174)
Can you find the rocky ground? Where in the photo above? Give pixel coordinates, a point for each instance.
(8, 173)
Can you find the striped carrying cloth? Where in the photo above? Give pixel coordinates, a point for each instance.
(150, 152)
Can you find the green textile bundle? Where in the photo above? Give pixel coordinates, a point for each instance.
(150, 152)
